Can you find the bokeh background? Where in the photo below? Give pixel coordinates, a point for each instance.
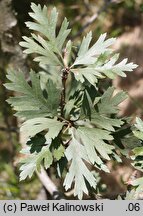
(119, 18)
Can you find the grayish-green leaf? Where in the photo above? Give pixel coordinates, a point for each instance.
(59, 152)
(111, 70)
(33, 162)
(109, 103)
(33, 126)
(49, 45)
(139, 124)
(67, 53)
(86, 55)
(87, 73)
(32, 103)
(93, 140)
(98, 61)
(78, 171)
(105, 122)
(46, 54)
(138, 151)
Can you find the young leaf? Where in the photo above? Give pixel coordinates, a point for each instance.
(67, 53)
(137, 155)
(138, 183)
(95, 66)
(78, 171)
(53, 96)
(109, 103)
(138, 151)
(93, 141)
(111, 70)
(59, 152)
(105, 122)
(87, 73)
(46, 54)
(86, 55)
(139, 125)
(32, 103)
(49, 44)
(33, 162)
(37, 125)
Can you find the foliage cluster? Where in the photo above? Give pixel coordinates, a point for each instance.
(68, 121)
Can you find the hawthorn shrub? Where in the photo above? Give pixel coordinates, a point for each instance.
(68, 121)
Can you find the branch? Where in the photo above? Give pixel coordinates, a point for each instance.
(65, 73)
(10, 129)
(49, 185)
(81, 16)
(93, 18)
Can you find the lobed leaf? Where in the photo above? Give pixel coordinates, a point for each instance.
(32, 103)
(96, 61)
(93, 140)
(86, 55)
(33, 162)
(38, 125)
(49, 45)
(109, 103)
(78, 171)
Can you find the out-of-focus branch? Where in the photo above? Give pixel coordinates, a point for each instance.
(10, 129)
(93, 18)
(49, 185)
(82, 15)
(4, 109)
